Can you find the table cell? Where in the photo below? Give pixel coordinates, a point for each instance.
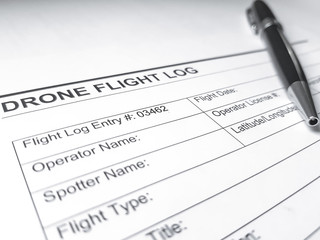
(83, 134)
(266, 124)
(235, 93)
(245, 109)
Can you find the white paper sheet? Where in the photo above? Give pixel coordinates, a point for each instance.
(206, 148)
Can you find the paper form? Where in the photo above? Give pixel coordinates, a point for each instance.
(209, 149)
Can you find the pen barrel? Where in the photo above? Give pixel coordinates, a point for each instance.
(283, 56)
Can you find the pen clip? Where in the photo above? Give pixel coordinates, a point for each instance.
(252, 22)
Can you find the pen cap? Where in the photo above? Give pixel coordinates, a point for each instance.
(262, 11)
(261, 17)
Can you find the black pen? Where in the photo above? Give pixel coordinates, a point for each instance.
(263, 22)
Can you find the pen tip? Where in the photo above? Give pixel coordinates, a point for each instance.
(313, 121)
(300, 94)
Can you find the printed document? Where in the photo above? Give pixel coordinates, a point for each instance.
(207, 148)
